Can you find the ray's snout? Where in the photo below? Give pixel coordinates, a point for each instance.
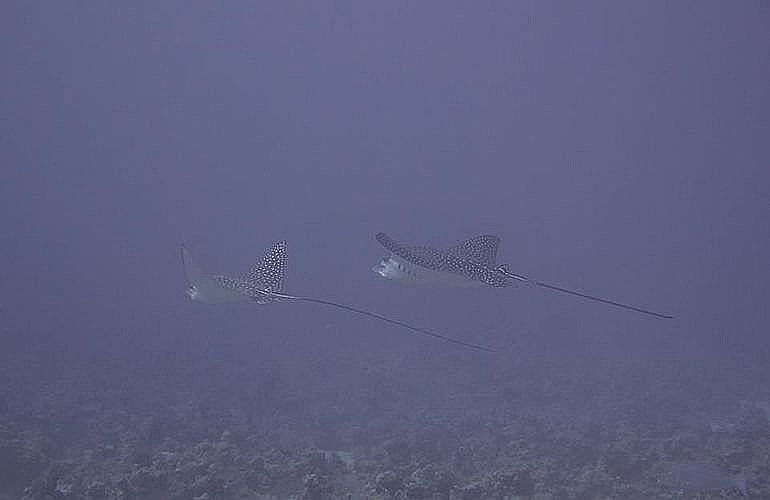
(386, 268)
(192, 292)
(379, 269)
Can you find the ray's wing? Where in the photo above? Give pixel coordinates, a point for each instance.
(269, 271)
(476, 259)
(426, 257)
(192, 271)
(479, 249)
(266, 277)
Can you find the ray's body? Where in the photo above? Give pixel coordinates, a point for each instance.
(472, 262)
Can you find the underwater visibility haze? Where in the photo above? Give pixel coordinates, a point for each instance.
(613, 153)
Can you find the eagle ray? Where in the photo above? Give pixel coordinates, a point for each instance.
(263, 284)
(472, 262)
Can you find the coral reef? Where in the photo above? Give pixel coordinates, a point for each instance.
(359, 432)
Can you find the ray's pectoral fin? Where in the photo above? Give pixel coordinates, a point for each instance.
(268, 274)
(206, 288)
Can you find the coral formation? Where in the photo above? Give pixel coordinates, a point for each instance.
(360, 432)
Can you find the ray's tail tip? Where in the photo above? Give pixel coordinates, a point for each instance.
(653, 313)
(656, 314)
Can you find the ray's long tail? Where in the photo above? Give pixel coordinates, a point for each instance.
(581, 294)
(370, 314)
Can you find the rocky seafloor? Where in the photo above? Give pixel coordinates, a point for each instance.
(431, 424)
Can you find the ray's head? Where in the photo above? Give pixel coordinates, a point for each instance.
(192, 292)
(393, 268)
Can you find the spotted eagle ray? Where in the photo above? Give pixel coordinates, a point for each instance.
(263, 284)
(472, 262)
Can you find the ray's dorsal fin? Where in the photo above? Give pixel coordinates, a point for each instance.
(479, 249)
